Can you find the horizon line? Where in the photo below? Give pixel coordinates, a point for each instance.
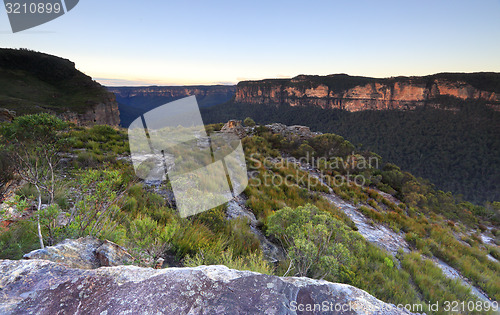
(111, 82)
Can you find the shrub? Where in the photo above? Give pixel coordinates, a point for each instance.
(97, 206)
(482, 227)
(373, 203)
(249, 122)
(88, 159)
(388, 262)
(192, 237)
(411, 238)
(145, 235)
(374, 215)
(316, 243)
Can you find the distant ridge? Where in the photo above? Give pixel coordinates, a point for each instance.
(135, 101)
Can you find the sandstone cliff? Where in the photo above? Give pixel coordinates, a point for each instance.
(106, 113)
(360, 93)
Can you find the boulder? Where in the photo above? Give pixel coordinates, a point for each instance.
(44, 287)
(6, 115)
(234, 126)
(84, 253)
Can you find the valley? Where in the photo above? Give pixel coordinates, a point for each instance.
(315, 211)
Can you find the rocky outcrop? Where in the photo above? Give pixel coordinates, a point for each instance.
(43, 287)
(6, 115)
(84, 253)
(234, 126)
(289, 132)
(301, 132)
(360, 93)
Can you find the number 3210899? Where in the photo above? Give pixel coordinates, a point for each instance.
(33, 8)
(455, 306)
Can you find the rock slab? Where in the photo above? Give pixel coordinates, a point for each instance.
(84, 253)
(44, 287)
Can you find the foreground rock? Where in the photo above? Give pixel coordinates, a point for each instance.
(84, 253)
(43, 287)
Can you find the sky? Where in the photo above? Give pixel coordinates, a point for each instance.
(159, 42)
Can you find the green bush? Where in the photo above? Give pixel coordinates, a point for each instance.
(316, 243)
(146, 236)
(372, 214)
(88, 159)
(191, 237)
(249, 122)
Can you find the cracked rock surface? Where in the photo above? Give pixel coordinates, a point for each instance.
(44, 287)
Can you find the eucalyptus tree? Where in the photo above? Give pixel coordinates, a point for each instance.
(34, 142)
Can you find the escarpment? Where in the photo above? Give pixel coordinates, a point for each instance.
(350, 93)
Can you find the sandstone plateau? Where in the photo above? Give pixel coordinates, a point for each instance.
(350, 93)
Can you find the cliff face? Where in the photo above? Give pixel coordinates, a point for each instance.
(358, 93)
(106, 113)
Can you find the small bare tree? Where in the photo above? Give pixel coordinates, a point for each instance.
(34, 143)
